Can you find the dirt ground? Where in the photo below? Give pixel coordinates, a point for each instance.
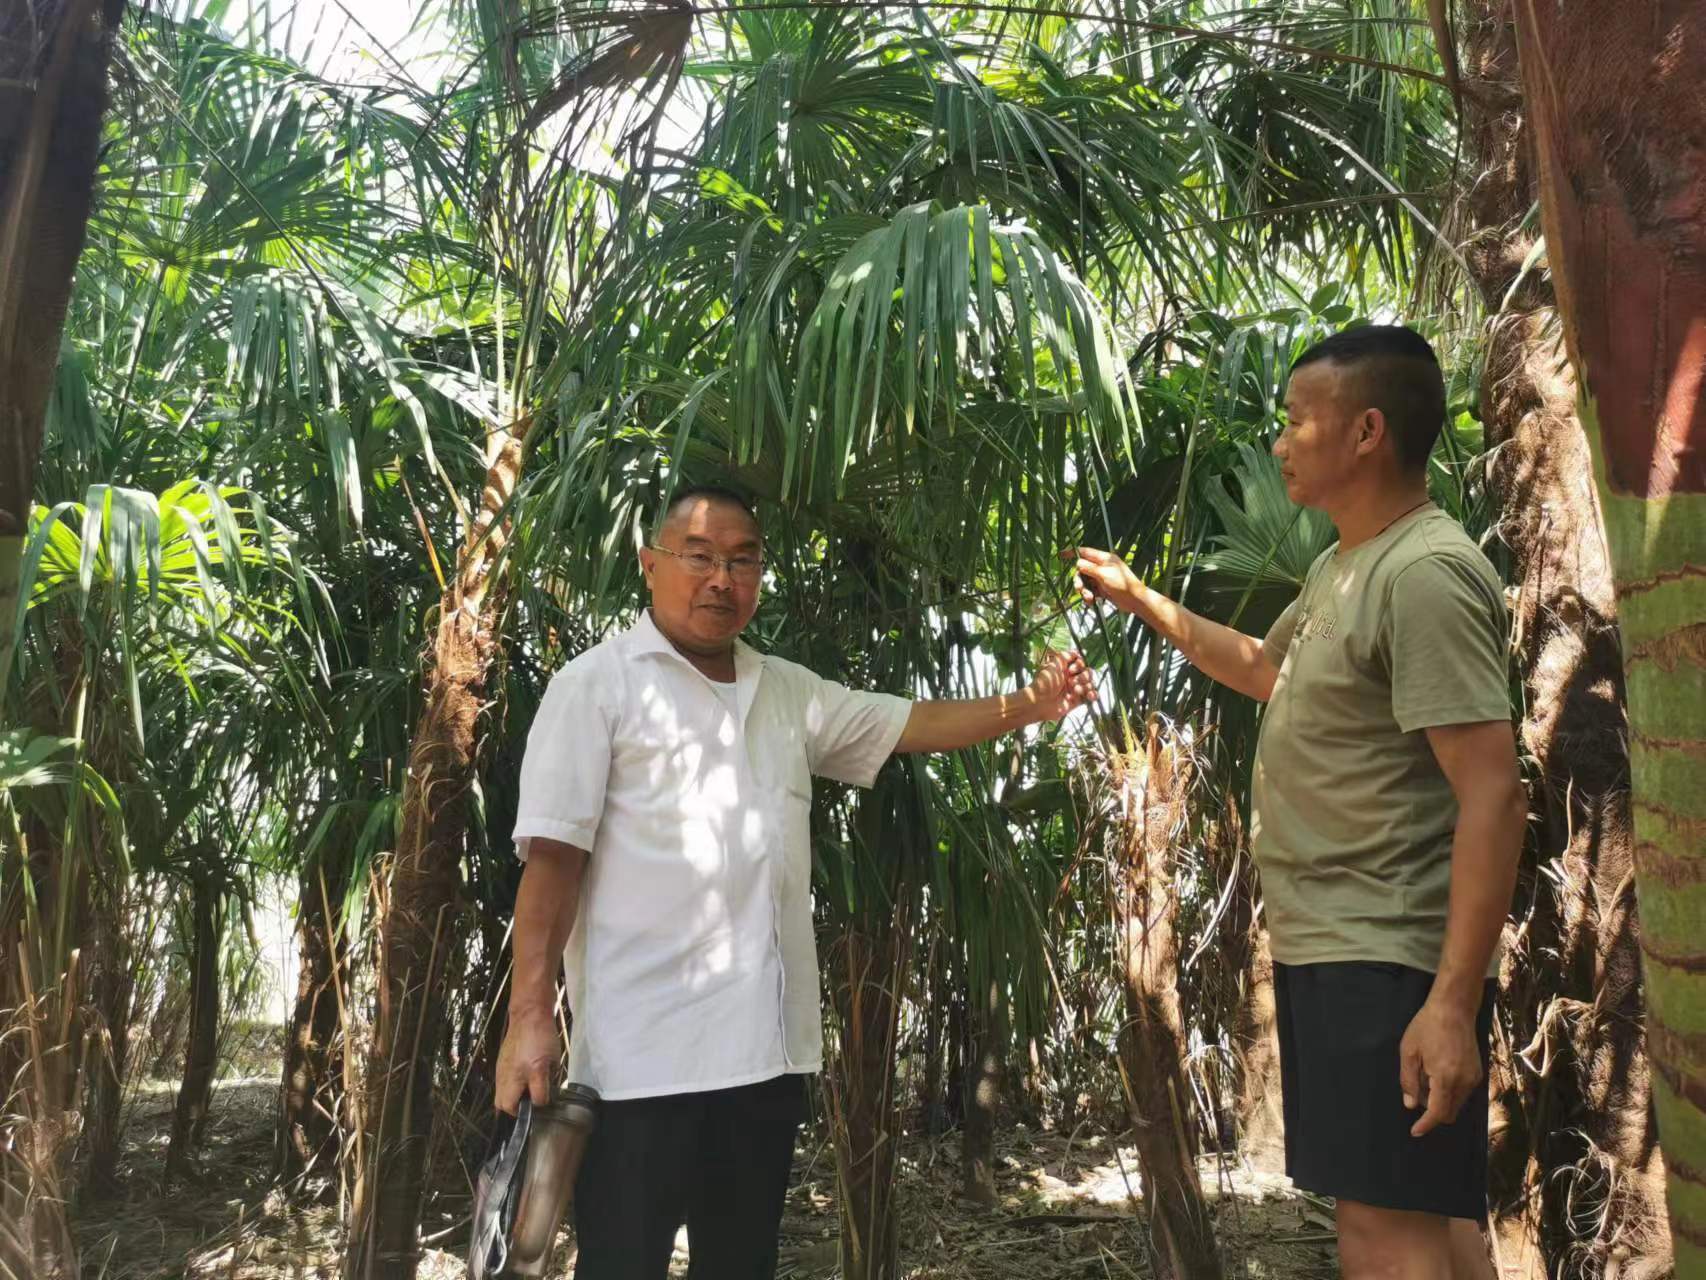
(1067, 1210)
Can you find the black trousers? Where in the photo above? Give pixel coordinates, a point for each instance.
(718, 1161)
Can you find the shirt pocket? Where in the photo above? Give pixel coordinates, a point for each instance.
(667, 765)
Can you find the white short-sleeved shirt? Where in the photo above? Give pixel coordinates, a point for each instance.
(692, 964)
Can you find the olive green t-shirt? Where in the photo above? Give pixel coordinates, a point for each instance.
(1352, 817)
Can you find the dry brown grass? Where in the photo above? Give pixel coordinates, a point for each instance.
(1066, 1211)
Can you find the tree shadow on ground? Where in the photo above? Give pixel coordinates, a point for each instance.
(1068, 1208)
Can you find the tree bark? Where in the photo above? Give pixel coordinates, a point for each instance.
(189, 1117)
(40, 1049)
(1618, 118)
(53, 92)
(419, 908)
(1154, 786)
(866, 963)
(937, 1000)
(985, 1058)
(113, 991)
(1255, 1039)
(1255, 1034)
(1574, 1137)
(310, 1093)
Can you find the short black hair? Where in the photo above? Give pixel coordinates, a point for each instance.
(1398, 373)
(714, 492)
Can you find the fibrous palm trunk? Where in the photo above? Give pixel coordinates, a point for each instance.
(985, 1062)
(1154, 785)
(313, 1047)
(1613, 98)
(189, 1117)
(418, 924)
(113, 991)
(1255, 1034)
(865, 965)
(1575, 1143)
(53, 92)
(41, 1054)
(937, 999)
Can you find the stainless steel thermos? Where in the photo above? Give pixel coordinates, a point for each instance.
(555, 1147)
(527, 1186)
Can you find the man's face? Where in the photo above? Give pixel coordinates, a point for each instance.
(703, 613)
(1325, 442)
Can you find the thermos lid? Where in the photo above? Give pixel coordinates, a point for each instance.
(571, 1099)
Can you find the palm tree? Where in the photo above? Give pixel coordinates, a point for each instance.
(1609, 117)
(1583, 1132)
(949, 289)
(882, 360)
(133, 599)
(544, 235)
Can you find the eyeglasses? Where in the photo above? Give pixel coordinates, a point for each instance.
(701, 564)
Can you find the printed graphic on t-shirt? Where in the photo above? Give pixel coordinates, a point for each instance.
(1317, 623)
(1317, 611)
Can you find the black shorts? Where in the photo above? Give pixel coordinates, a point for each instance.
(1347, 1131)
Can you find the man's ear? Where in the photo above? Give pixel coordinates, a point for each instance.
(1371, 430)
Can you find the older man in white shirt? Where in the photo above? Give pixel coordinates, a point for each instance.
(665, 821)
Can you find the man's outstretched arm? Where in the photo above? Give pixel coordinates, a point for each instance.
(1219, 652)
(1064, 682)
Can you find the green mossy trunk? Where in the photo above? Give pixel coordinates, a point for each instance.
(1615, 104)
(1576, 1179)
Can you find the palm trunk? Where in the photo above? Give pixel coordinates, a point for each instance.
(1575, 1140)
(985, 1059)
(1616, 115)
(40, 1062)
(1255, 1033)
(866, 963)
(53, 66)
(936, 1002)
(418, 921)
(487, 1016)
(113, 987)
(1156, 789)
(189, 1117)
(1259, 1109)
(313, 1047)
(1255, 1040)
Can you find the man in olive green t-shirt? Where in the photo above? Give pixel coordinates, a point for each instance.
(1387, 810)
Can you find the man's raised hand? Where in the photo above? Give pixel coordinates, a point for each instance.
(1101, 574)
(1063, 682)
